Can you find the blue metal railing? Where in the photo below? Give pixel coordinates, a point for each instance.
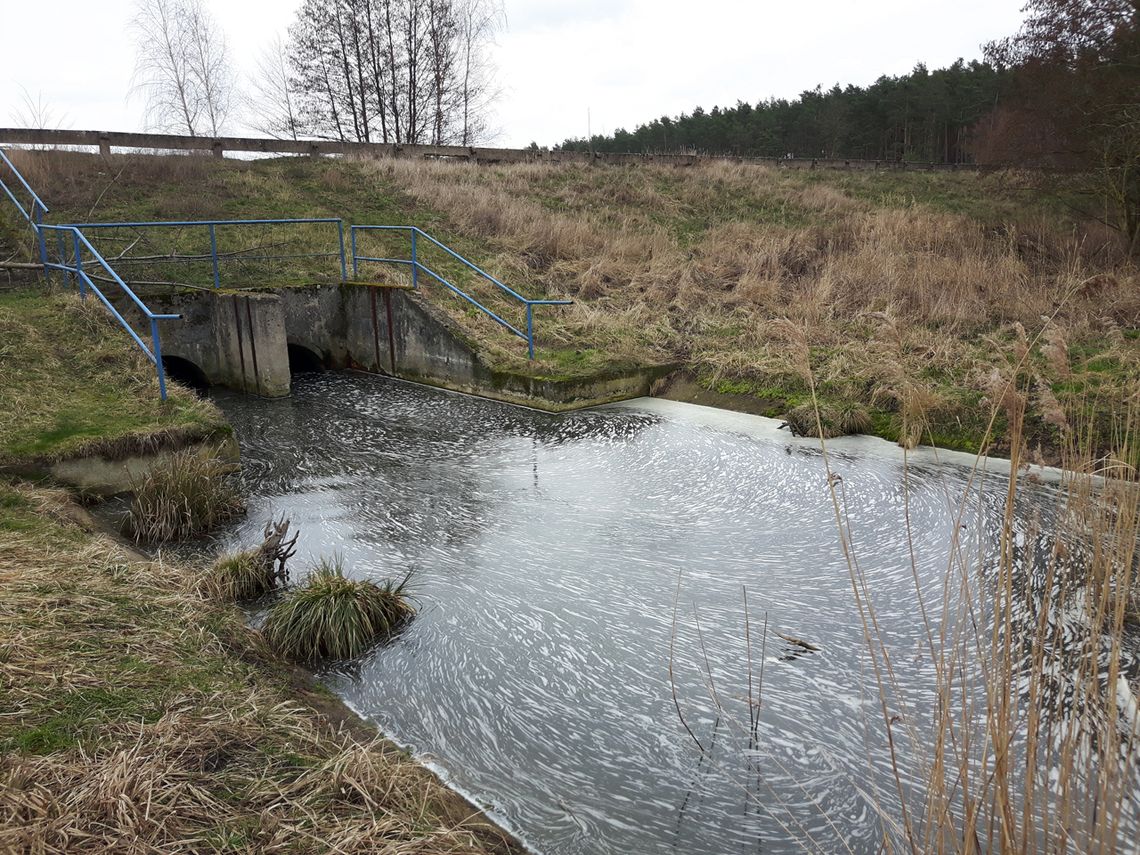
(211, 227)
(74, 262)
(418, 266)
(80, 275)
(34, 217)
(79, 272)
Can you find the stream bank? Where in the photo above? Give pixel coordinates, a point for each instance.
(129, 689)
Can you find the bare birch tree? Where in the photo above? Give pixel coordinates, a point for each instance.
(397, 71)
(182, 66)
(209, 64)
(273, 99)
(479, 21)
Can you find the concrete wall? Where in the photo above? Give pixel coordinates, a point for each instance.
(241, 341)
(236, 340)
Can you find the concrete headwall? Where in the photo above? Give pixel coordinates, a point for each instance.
(242, 341)
(235, 340)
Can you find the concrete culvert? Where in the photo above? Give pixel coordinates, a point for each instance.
(302, 360)
(185, 372)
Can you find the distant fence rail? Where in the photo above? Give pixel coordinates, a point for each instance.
(105, 141)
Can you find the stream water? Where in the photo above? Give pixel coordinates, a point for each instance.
(547, 553)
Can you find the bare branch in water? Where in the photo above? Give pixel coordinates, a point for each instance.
(672, 680)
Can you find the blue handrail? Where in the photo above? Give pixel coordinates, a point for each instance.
(80, 243)
(35, 218)
(418, 266)
(211, 226)
(82, 277)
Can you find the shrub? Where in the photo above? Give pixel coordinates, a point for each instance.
(836, 420)
(333, 617)
(238, 576)
(187, 495)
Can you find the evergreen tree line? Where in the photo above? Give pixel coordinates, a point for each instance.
(921, 116)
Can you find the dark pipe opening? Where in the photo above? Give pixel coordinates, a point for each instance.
(304, 361)
(185, 372)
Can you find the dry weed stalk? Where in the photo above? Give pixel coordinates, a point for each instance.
(1034, 743)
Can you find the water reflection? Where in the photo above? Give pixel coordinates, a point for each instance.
(548, 551)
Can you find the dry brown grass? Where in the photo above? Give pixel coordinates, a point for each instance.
(900, 299)
(140, 718)
(908, 285)
(1033, 742)
(1014, 723)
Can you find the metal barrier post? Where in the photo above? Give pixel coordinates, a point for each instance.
(343, 267)
(214, 257)
(156, 349)
(415, 262)
(79, 265)
(530, 330)
(38, 216)
(60, 248)
(355, 263)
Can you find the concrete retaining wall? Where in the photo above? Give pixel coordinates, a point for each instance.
(241, 341)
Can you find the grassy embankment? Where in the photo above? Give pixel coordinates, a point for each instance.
(139, 717)
(136, 715)
(73, 384)
(910, 287)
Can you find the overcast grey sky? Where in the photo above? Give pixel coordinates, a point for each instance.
(626, 61)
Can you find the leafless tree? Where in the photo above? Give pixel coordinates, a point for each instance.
(209, 64)
(479, 21)
(182, 66)
(34, 112)
(273, 100)
(400, 71)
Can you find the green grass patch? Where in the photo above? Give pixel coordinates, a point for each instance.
(331, 616)
(75, 383)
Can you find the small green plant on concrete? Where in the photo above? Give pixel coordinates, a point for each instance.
(331, 616)
(185, 496)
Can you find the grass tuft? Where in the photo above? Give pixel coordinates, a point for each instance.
(238, 576)
(331, 616)
(187, 495)
(834, 419)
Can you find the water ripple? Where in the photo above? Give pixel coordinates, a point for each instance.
(547, 552)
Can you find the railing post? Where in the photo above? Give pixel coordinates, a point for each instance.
(213, 258)
(79, 264)
(343, 267)
(38, 217)
(352, 240)
(415, 261)
(60, 246)
(530, 330)
(156, 349)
